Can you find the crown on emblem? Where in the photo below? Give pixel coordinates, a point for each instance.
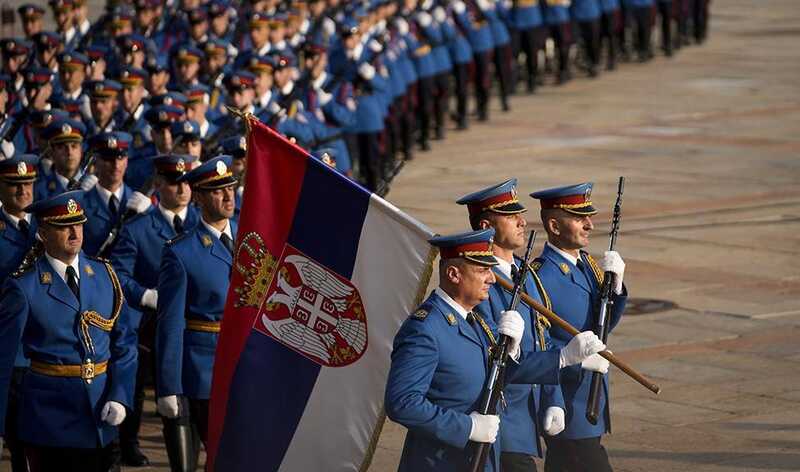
(187, 127)
(112, 143)
(22, 168)
(180, 166)
(66, 129)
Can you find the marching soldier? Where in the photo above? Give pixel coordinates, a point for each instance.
(571, 280)
(64, 139)
(440, 354)
(103, 99)
(192, 286)
(137, 260)
(31, 18)
(68, 313)
(17, 235)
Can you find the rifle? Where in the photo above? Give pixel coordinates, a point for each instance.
(606, 302)
(493, 389)
(36, 251)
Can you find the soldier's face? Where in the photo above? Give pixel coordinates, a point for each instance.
(103, 108)
(216, 204)
(14, 63)
(110, 172)
(471, 281)
(196, 111)
(242, 98)
(509, 230)
(72, 77)
(174, 195)
(187, 71)
(15, 196)
(41, 97)
(192, 147)
(238, 167)
(62, 242)
(215, 62)
(572, 231)
(162, 138)
(67, 157)
(135, 58)
(131, 96)
(97, 69)
(259, 35)
(63, 19)
(158, 81)
(31, 25)
(145, 16)
(219, 24)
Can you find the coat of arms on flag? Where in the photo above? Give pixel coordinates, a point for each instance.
(325, 273)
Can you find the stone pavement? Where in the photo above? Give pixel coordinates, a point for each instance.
(708, 141)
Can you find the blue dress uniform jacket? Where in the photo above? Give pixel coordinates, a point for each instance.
(585, 10)
(100, 220)
(13, 245)
(520, 432)
(46, 186)
(137, 252)
(192, 285)
(556, 12)
(39, 309)
(526, 14)
(439, 366)
(574, 294)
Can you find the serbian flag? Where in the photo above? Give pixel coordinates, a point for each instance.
(324, 274)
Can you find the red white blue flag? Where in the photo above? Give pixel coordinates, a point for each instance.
(324, 274)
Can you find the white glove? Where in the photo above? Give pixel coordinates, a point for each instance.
(274, 108)
(424, 19)
(580, 347)
(150, 299)
(366, 71)
(329, 27)
(595, 363)
(439, 15)
(508, 4)
(484, 427)
(459, 7)
(113, 413)
(402, 26)
(512, 325)
(168, 406)
(138, 202)
(612, 262)
(324, 97)
(375, 46)
(47, 165)
(485, 5)
(6, 150)
(88, 182)
(240, 191)
(553, 420)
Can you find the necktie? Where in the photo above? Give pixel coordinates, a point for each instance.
(227, 241)
(177, 224)
(112, 206)
(72, 282)
(24, 227)
(514, 273)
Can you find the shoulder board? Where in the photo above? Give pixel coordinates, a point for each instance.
(33, 255)
(536, 264)
(420, 314)
(99, 259)
(22, 270)
(137, 217)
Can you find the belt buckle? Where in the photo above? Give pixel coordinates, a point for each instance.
(87, 371)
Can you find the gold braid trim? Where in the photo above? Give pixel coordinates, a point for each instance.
(486, 329)
(93, 318)
(540, 321)
(598, 273)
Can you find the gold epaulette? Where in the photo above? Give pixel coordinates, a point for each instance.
(542, 292)
(177, 238)
(598, 273)
(34, 253)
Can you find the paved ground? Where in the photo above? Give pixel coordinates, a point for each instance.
(709, 144)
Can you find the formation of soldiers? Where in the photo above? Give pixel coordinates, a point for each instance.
(440, 357)
(122, 152)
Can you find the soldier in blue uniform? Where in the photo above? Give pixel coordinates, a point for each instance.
(137, 259)
(571, 279)
(499, 208)
(130, 116)
(103, 99)
(72, 73)
(17, 228)
(610, 24)
(192, 286)
(186, 138)
(106, 203)
(68, 314)
(64, 139)
(440, 358)
(527, 37)
(17, 235)
(31, 18)
(641, 12)
(586, 13)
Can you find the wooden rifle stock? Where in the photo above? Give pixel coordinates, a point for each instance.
(558, 321)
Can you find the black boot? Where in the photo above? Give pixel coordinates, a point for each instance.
(181, 443)
(132, 456)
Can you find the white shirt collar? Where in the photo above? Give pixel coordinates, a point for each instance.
(61, 268)
(106, 194)
(504, 266)
(564, 254)
(317, 83)
(137, 113)
(355, 53)
(265, 99)
(169, 215)
(14, 220)
(69, 34)
(265, 49)
(453, 304)
(62, 180)
(204, 128)
(74, 95)
(84, 26)
(216, 232)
